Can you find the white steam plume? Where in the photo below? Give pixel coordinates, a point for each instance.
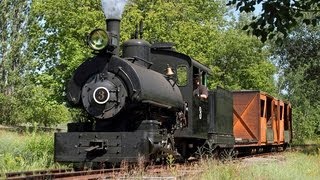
(113, 8)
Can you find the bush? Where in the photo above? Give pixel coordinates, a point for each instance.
(32, 105)
(8, 110)
(30, 151)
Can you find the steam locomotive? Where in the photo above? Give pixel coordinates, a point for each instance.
(143, 107)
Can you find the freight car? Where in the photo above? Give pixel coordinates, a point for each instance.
(261, 122)
(142, 106)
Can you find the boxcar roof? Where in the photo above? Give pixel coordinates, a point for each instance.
(253, 91)
(260, 92)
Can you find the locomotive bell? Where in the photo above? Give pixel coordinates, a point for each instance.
(169, 71)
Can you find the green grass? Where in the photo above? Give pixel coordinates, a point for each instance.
(290, 165)
(29, 151)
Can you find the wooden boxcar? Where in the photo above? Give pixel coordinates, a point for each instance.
(261, 120)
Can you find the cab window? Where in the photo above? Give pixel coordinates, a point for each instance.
(182, 75)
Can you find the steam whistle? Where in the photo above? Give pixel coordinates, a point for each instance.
(138, 33)
(141, 29)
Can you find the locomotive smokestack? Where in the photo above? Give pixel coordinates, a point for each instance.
(113, 26)
(113, 10)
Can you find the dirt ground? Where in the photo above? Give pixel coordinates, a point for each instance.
(264, 159)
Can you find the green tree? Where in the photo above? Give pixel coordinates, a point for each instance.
(13, 35)
(278, 16)
(299, 61)
(23, 99)
(13, 56)
(243, 63)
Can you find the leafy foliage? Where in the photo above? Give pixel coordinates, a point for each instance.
(299, 58)
(23, 99)
(31, 151)
(13, 35)
(278, 16)
(243, 63)
(191, 25)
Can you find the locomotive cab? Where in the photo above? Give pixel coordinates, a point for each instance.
(209, 120)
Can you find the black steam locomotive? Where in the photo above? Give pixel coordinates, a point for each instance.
(142, 104)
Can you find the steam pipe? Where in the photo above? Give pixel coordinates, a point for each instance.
(113, 26)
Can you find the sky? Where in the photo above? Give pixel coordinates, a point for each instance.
(258, 10)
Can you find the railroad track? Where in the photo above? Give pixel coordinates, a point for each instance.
(151, 172)
(30, 129)
(64, 174)
(303, 147)
(292, 148)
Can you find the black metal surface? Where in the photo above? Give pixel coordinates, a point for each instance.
(221, 108)
(106, 88)
(72, 146)
(113, 26)
(164, 55)
(149, 85)
(127, 82)
(137, 48)
(200, 117)
(221, 118)
(82, 74)
(110, 147)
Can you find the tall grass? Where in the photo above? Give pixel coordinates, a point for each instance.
(29, 151)
(291, 165)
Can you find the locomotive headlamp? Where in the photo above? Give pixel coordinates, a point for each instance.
(98, 39)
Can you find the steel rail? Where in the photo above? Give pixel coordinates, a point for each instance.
(62, 174)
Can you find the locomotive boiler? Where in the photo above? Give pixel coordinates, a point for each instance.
(107, 85)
